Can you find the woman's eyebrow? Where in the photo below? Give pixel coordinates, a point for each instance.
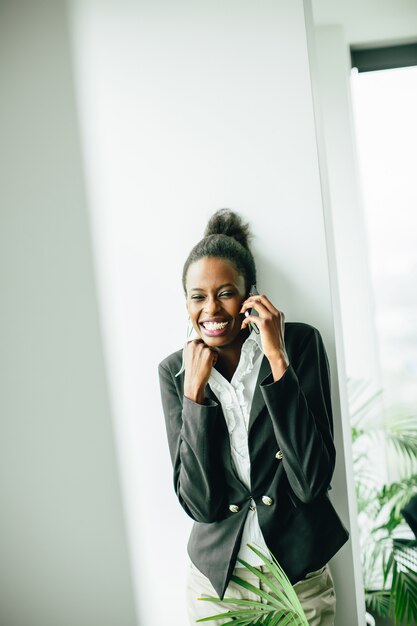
(217, 288)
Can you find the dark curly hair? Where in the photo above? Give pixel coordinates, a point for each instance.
(226, 236)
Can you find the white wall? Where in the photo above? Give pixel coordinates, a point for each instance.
(64, 556)
(187, 107)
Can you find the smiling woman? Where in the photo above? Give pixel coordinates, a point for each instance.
(214, 305)
(250, 431)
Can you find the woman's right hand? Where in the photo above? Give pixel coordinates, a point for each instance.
(199, 360)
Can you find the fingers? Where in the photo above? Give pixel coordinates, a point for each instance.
(193, 341)
(267, 315)
(197, 349)
(199, 361)
(254, 319)
(261, 321)
(260, 303)
(264, 309)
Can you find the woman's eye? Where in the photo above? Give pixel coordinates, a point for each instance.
(197, 297)
(226, 294)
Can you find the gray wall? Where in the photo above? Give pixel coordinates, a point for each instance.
(63, 551)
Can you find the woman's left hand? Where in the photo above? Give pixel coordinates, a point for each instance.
(270, 322)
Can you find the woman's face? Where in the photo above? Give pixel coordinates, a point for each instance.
(215, 293)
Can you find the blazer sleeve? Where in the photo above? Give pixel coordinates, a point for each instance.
(300, 408)
(193, 437)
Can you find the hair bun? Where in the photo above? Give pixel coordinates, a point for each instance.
(227, 222)
(226, 237)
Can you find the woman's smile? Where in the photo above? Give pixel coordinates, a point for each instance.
(214, 327)
(215, 292)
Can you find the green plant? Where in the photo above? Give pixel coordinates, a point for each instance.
(389, 561)
(278, 604)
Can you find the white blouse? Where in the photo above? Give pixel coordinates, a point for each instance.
(236, 401)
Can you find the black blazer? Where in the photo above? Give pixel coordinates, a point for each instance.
(292, 460)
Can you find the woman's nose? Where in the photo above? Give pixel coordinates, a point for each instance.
(211, 306)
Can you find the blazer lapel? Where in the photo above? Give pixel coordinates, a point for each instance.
(258, 401)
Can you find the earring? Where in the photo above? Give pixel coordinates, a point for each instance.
(190, 331)
(190, 328)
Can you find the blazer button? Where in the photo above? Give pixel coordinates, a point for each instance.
(278, 455)
(267, 500)
(234, 508)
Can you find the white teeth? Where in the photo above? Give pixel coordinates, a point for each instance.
(215, 325)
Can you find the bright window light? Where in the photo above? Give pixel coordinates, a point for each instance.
(385, 105)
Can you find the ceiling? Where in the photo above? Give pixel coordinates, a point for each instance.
(368, 22)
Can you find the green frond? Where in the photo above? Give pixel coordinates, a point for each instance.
(404, 594)
(252, 604)
(294, 618)
(279, 589)
(241, 614)
(236, 621)
(402, 436)
(394, 497)
(274, 619)
(280, 605)
(276, 570)
(286, 590)
(378, 602)
(389, 565)
(272, 600)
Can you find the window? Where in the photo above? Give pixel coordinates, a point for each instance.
(385, 103)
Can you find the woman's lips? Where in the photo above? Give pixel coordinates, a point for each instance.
(214, 329)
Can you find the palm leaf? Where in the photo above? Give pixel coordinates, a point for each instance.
(275, 619)
(278, 573)
(389, 568)
(281, 606)
(388, 564)
(402, 435)
(237, 601)
(241, 614)
(378, 602)
(263, 594)
(236, 621)
(404, 594)
(285, 589)
(278, 589)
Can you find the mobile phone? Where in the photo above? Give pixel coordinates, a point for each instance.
(253, 292)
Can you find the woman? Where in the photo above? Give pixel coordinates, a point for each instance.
(249, 424)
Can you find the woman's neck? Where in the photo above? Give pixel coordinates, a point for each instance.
(229, 356)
